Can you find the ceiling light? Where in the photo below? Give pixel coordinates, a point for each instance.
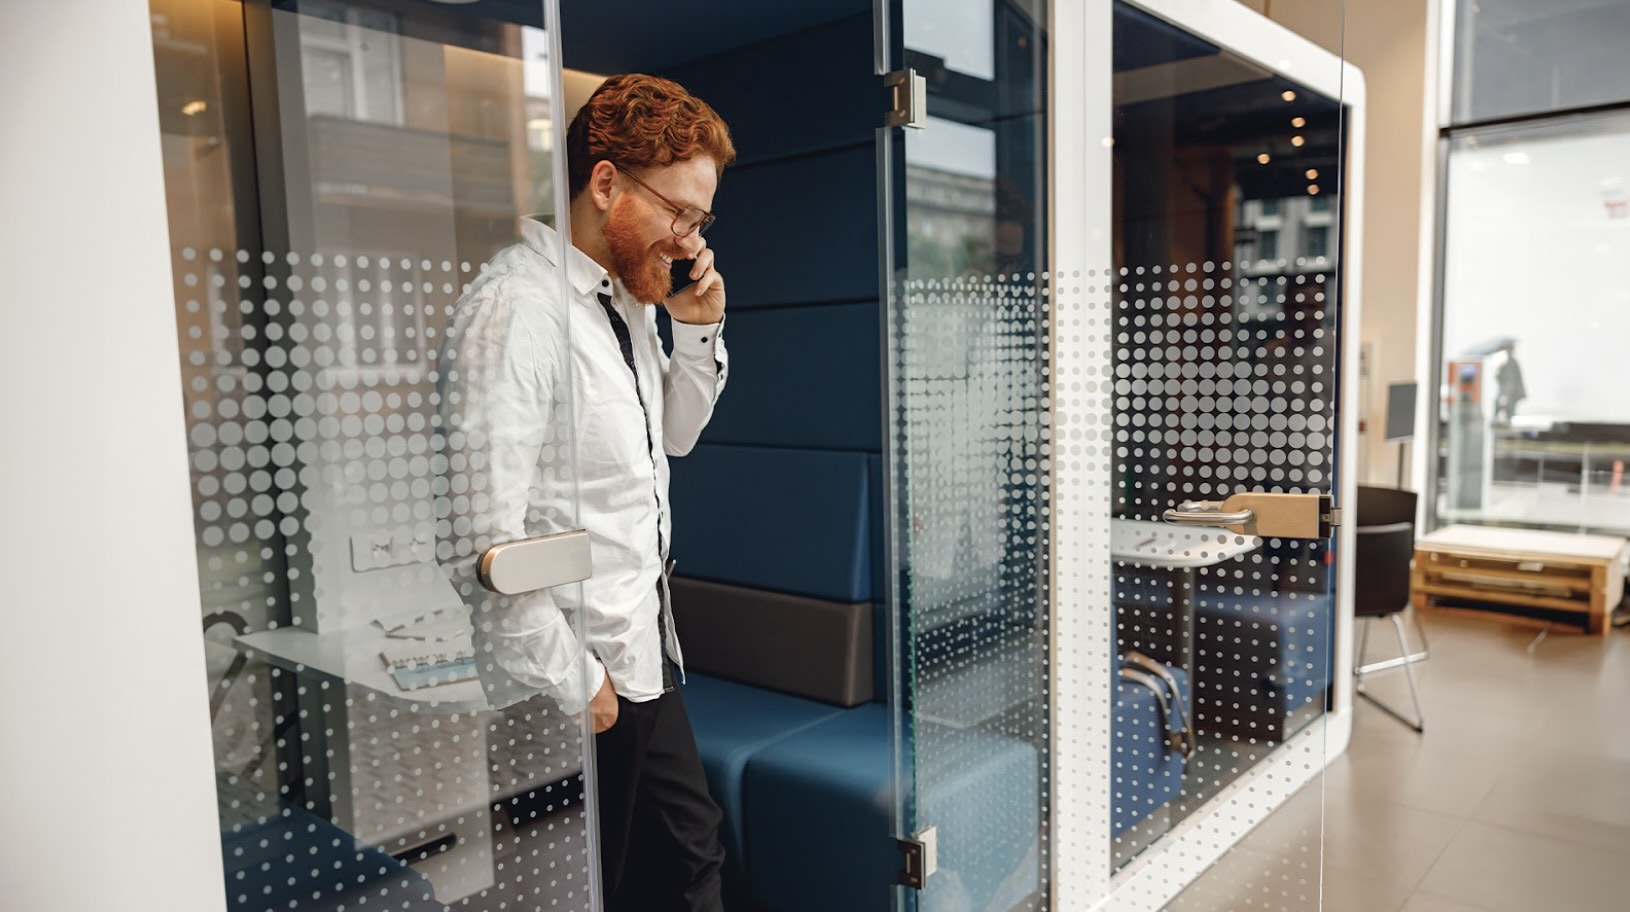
(1298, 122)
(194, 108)
(1297, 141)
(1288, 95)
(1264, 158)
(1312, 189)
(1313, 174)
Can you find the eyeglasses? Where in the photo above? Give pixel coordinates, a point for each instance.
(686, 218)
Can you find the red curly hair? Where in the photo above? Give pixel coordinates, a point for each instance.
(637, 121)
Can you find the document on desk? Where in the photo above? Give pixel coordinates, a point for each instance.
(430, 648)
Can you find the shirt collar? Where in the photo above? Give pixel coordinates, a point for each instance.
(585, 274)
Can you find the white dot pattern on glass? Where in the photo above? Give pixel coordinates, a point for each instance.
(1224, 382)
(327, 473)
(971, 447)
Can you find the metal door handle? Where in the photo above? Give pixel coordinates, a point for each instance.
(1207, 513)
(1267, 515)
(536, 563)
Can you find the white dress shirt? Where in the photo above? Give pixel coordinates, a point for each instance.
(543, 423)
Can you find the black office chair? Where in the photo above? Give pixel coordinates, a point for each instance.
(1385, 545)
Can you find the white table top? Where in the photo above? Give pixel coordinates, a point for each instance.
(1494, 539)
(353, 655)
(1157, 544)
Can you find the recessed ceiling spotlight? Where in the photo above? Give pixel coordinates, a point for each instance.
(1298, 122)
(1313, 174)
(1312, 189)
(1264, 158)
(1297, 141)
(1288, 95)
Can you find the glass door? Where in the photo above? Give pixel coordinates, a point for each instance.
(1229, 171)
(1116, 269)
(965, 232)
(337, 174)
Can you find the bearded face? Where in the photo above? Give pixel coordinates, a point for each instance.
(641, 250)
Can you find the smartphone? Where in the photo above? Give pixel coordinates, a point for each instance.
(680, 272)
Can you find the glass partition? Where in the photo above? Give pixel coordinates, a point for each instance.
(337, 173)
(967, 343)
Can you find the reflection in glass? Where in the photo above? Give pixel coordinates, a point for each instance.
(967, 346)
(334, 176)
(1227, 178)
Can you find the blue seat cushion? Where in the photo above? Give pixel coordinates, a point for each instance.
(793, 521)
(1260, 658)
(732, 721)
(331, 869)
(1147, 773)
(820, 806)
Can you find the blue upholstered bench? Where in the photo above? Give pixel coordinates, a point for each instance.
(733, 722)
(330, 869)
(820, 814)
(1147, 773)
(1263, 662)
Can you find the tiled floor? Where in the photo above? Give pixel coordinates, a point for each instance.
(1516, 799)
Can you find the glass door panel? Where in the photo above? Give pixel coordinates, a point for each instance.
(1228, 178)
(967, 343)
(337, 174)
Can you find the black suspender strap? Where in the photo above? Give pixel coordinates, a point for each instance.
(625, 341)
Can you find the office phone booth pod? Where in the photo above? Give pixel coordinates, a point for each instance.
(1113, 280)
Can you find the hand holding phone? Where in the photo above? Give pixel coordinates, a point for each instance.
(702, 301)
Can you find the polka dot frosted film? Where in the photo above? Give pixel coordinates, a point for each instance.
(1225, 382)
(970, 443)
(330, 486)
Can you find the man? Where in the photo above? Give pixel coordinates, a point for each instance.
(543, 358)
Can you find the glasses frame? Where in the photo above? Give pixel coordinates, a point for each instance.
(708, 218)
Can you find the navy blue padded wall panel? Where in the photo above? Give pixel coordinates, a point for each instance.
(794, 521)
(880, 572)
(804, 377)
(795, 94)
(799, 231)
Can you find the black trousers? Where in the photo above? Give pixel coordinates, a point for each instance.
(659, 827)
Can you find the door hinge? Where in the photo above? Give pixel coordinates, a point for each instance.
(909, 99)
(921, 857)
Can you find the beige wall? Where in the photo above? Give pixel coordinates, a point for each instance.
(1387, 41)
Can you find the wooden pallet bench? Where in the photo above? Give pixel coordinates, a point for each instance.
(1535, 577)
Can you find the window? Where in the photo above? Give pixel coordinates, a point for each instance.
(350, 63)
(1270, 207)
(1320, 203)
(1517, 57)
(1267, 245)
(1318, 242)
(1535, 312)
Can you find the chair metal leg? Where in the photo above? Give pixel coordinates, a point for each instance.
(1420, 628)
(1419, 722)
(1405, 659)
